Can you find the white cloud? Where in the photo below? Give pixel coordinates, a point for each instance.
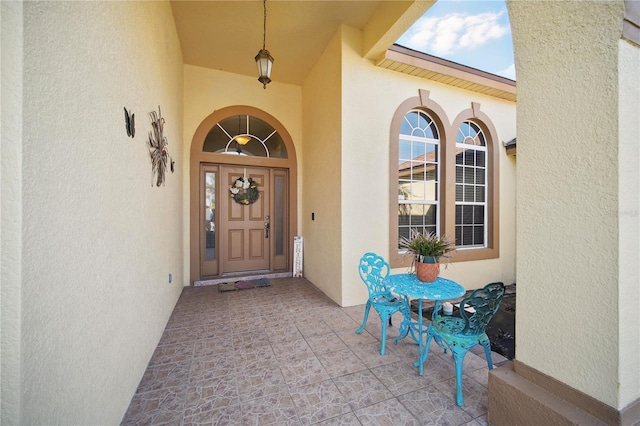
(509, 72)
(454, 32)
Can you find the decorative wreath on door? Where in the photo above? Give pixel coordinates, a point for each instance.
(244, 191)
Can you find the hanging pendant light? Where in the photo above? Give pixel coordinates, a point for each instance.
(264, 60)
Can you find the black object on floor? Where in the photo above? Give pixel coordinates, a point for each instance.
(502, 328)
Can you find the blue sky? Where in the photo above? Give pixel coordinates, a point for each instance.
(473, 33)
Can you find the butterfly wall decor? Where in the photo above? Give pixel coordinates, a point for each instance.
(130, 123)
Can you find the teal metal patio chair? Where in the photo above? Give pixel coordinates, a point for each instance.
(373, 270)
(461, 333)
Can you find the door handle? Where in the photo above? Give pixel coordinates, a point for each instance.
(266, 229)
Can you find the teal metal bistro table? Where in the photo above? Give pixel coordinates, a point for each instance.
(409, 285)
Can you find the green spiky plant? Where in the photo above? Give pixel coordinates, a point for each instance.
(427, 248)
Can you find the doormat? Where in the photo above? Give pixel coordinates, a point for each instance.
(244, 285)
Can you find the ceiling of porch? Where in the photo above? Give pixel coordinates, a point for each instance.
(226, 35)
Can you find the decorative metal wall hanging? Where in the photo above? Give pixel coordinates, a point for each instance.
(158, 149)
(130, 124)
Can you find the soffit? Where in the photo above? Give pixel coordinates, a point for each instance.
(226, 35)
(408, 61)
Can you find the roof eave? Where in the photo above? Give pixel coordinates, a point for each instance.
(408, 61)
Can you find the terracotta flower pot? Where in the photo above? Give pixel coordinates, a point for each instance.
(427, 272)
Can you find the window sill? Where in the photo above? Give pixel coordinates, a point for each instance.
(400, 260)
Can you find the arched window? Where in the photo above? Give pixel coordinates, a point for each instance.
(245, 135)
(418, 174)
(445, 176)
(471, 186)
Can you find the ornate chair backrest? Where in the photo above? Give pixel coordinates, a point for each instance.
(373, 270)
(485, 303)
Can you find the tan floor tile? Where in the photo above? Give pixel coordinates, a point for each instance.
(287, 354)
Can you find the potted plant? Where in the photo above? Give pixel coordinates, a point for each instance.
(427, 250)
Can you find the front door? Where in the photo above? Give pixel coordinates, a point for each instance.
(244, 237)
(236, 236)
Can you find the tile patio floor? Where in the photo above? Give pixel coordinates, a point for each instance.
(288, 355)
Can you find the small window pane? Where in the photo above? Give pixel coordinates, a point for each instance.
(478, 235)
(404, 232)
(469, 158)
(480, 176)
(469, 194)
(480, 194)
(416, 192)
(480, 140)
(413, 118)
(431, 153)
(459, 193)
(417, 172)
(458, 235)
(478, 214)
(404, 219)
(432, 172)
(463, 132)
(405, 127)
(467, 235)
(419, 149)
(467, 214)
(432, 132)
(404, 150)
(480, 159)
(469, 175)
(459, 175)
(403, 190)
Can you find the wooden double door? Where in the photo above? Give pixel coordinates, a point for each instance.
(243, 237)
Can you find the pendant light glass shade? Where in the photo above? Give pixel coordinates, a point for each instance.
(264, 61)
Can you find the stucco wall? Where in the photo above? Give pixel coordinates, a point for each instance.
(370, 97)
(11, 16)
(568, 247)
(321, 170)
(629, 223)
(99, 241)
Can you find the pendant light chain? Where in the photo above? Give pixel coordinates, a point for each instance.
(264, 32)
(264, 60)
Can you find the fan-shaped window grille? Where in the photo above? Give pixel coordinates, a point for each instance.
(245, 135)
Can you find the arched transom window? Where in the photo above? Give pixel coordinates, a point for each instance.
(245, 135)
(418, 174)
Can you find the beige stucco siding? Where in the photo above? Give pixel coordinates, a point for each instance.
(99, 241)
(628, 224)
(567, 232)
(11, 36)
(322, 175)
(370, 98)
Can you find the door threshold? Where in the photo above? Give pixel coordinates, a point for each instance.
(242, 276)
